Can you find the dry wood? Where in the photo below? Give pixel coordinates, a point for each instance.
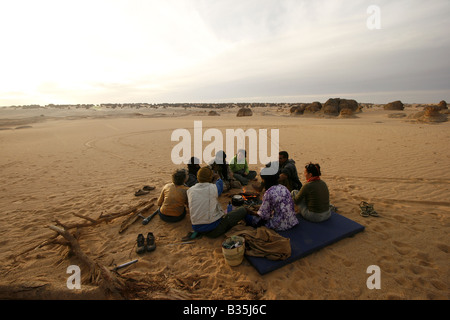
(100, 275)
(89, 223)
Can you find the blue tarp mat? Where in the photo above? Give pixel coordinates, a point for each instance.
(308, 237)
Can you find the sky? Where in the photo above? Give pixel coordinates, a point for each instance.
(224, 51)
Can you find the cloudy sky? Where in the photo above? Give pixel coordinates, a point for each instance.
(117, 51)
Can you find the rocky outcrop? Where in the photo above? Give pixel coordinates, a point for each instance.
(347, 113)
(395, 105)
(443, 105)
(335, 106)
(245, 112)
(313, 107)
(431, 114)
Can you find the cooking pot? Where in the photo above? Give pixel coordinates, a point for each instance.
(237, 200)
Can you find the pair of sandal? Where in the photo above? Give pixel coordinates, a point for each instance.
(367, 210)
(145, 190)
(142, 246)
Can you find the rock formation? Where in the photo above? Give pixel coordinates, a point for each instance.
(442, 105)
(430, 114)
(313, 107)
(335, 106)
(395, 105)
(245, 112)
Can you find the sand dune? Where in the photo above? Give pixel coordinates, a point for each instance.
(91, 164)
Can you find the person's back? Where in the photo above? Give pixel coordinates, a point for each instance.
(313, 199)
(173, 199)
(317, 196)
(207, 216)
(277, 208)
(290, 170)
(204, 207)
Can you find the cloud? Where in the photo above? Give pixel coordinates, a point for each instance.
(198, 50)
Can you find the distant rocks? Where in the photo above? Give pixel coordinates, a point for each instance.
(313, 107)
(395, 105)
(213, 113)
(244, 112)
(347, 113)
(335, 106)
(443, 105)
(431, 114)
(344, 108)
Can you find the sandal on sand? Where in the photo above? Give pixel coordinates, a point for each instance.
(372, 211)
(140, 192)
(367, 210)
(191, 235)
(140, 244)
(148, 188)
(363, 206)
(151, 246)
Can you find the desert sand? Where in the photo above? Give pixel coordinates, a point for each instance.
(60, 164)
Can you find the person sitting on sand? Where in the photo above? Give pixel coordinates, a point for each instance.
(277, 209)
(239, 167)
(173, 199)
(193, 167)
(287, 172)
(313, 199)
(207, 216)
(220, 166)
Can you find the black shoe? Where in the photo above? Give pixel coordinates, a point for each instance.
(140, 244)
(151, 246)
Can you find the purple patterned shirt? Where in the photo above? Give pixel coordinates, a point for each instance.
(277, 209)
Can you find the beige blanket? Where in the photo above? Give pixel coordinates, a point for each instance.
(263, 242)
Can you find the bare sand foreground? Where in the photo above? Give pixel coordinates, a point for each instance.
(63, 165)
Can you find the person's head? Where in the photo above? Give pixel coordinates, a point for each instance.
(205, 174)
(193, 165)
(312, 170)
(220, 157)
(283, 156)
(179, 177)
(269, 178)
(241, 155)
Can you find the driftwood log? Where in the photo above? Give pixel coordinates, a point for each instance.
(100, 275)
(112, 283)
(91, 222)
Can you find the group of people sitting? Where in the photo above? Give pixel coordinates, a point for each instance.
(199, 188)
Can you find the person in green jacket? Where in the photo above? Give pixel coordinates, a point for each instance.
(313, 199)
(239, 167)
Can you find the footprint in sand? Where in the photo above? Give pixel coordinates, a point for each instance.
(401, 247)
(443, 247)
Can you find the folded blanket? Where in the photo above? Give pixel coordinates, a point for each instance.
(262, 242)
